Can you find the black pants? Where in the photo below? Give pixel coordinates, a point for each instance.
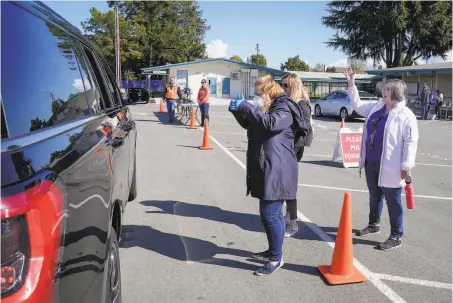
(291, 205)
(299, 151)
(438, 105)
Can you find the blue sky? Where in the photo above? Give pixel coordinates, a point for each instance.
(283, 29)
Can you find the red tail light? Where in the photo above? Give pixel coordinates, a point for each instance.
(31, 233)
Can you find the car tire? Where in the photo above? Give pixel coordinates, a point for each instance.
(114, 270)
(318, 111)
(344, 113)
(133, 190)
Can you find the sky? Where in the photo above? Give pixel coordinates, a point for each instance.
(282, 29)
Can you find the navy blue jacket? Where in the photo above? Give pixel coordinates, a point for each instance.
(272, 168)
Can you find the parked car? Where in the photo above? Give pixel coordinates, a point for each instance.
(68, 162)
(337, 103)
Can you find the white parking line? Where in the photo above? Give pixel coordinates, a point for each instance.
(366, 191)
(414, 281)
(386, 290)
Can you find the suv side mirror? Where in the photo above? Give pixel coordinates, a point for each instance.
(138, 95)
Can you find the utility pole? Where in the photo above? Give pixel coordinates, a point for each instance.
(257, 48)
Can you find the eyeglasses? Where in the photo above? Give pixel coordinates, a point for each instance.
(203, 82)
(374, 126)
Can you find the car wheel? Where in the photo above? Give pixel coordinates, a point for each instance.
(344, 114)
(114, 270)
(318, 111)
(133, 190)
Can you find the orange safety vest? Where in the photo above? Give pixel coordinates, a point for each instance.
(172, 92)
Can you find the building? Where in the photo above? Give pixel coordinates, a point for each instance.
(226, 78)
(319, 84)
(436, 76)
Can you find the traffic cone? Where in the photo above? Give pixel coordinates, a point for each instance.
(192, 119)
(342, 123)
(206, 143)
(342, 270)
(161, 106)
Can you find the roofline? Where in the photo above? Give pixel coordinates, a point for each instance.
(148, 70)
(413, 71)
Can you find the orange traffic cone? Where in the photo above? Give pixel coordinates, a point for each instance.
(342, 270)
(192, 119)
(342, 123)
(206, 143)
(161, 106)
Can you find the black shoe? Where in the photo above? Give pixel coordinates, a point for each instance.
(390, 244)
(368, 231)
(262, 256)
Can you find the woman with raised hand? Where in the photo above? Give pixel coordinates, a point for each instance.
(272, 121)
(388, 151)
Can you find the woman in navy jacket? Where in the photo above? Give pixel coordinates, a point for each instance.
(273, 122)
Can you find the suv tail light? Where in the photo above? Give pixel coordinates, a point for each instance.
(31, 231)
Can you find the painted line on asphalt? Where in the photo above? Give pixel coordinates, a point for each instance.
(414, 281)
(427, 122)
(366, 191)
(416, 163)
(386, 290)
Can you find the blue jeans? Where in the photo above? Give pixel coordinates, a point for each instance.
(425, 110)
(392, 197)
(171, 109)
(204, 108)
(274, 224)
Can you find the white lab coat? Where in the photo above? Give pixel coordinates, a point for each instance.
(400, 139)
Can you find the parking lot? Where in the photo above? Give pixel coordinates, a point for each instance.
(189, 234)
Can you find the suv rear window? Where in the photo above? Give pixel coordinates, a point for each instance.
(41, 84)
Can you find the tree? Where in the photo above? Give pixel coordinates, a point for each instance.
(397, 33)
(236, 58)
(151, 33)
(258, 60)
(295, 64)
(331, 69)
(357, 65)
(318, 68)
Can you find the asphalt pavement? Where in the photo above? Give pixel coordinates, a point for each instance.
(189, 234)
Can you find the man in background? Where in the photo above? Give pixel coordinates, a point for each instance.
(424, 99)
(172, 92)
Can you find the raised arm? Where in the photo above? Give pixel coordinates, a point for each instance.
(276, 121)
(361, 107)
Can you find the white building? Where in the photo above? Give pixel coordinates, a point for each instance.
(226, 78)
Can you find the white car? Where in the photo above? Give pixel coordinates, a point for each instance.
(337, 103)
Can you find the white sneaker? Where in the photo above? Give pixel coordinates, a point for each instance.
(291, 231)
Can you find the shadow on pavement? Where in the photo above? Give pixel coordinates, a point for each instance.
(244, 221)
(164, 119)
(305, 233)
(324, 163)
(183, 248)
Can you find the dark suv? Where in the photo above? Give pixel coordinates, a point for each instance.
(67, 161)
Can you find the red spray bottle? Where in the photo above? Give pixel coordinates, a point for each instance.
(410, 198)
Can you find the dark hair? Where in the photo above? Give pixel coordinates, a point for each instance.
(439, 91)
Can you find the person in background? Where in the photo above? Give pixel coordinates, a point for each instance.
(424, 99)
(293, 87)
(172, 93)
(389, 147)
(440, 98)
(272, 121)
(203, 101)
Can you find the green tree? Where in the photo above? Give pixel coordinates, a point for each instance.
(358, 66)
(258, 59)
(318, 68)
(151, 33)
(295, 64)
(236, 58)
(397, 33)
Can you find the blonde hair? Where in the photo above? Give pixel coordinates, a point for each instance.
(268, 86)
(296, 89)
